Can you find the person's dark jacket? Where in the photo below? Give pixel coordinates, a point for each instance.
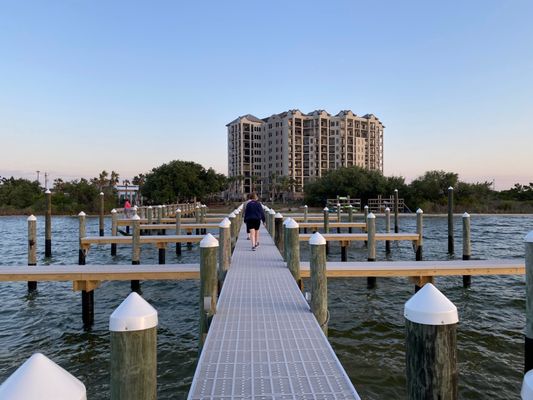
(254, 210)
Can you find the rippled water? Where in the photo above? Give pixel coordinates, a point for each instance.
(366, 326)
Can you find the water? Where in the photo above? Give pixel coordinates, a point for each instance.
(366, 326)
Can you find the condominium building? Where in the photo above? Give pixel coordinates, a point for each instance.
(283, 152)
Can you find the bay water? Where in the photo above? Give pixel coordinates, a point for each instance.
(366, 327)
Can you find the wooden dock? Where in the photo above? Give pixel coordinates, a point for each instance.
(264, 342)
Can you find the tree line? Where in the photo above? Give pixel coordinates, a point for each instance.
(428, 192)
(181, 181)
(175, 181)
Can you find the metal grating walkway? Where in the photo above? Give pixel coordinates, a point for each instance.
(264, 342)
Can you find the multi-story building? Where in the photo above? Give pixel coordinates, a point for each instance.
(283, 152)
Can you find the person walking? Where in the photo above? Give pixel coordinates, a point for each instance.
(253, 215)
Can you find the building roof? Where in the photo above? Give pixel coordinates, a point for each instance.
(249, 117)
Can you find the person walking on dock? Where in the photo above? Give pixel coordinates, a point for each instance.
(253, 215)
(127, 209)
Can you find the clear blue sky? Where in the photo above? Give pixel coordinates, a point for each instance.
(128, 85)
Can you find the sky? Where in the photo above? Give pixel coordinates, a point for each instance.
(87, 86)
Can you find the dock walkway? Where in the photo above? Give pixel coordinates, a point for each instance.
(264, 342)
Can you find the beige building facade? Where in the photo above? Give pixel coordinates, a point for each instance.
(283, 152)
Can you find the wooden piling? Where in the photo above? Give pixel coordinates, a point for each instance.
(32, 249)
(48, 225)
(149, 214)
(224, 250)
(396, 209)
(197, 218)
(387, 229)
(528, 348)
(136, 250)
(467, 249)
(350, 217)
(114, 230)
(319, 283)
(420, 231)
(133, 355)
(293, 250)
(87, 296)
(450, 221)
(338, 216)
(208, 284)
(82, 234)
(431, 346)
(233, 231)
(271, 218)
(101, 215)
(278, 227)
(178, 230)
(160, 218)
(371, 247)
(325, 212)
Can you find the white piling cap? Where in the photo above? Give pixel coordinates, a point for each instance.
(203, 206)
(81, 214)
(209, 241)
(305, 206)
(529, 237)
(136, 218)
(133, 314)
(387, 209)
(371, 216)
(430, 307)
(395, 190)
(197, 206)
(317, 239)
(291, 224)
(365, 207)
(225, 223)
(272, 212)
(419, 211)
(48, 191)
(232, 215)
(113, 211)
(527, 386)
(101, 193)
(278, 215)
(32, 218)
(325, 209)
(466, 215)
(450, 188)
(178, 210)
(41, 378)
(150, 207)
(135, 208)
(160, 206)
(350, 206)
(338, 204)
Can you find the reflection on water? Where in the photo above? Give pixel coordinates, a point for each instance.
(366, 326)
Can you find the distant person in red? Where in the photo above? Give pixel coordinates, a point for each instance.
(253, 215)
(127, 208)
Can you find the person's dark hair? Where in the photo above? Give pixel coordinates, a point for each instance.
(252, 196)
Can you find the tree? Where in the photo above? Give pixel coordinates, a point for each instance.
(433, 186)
(181, 180)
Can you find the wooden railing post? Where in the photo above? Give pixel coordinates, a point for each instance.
(293, 250)
(224, 250)
(319, 283)
(208, 284)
